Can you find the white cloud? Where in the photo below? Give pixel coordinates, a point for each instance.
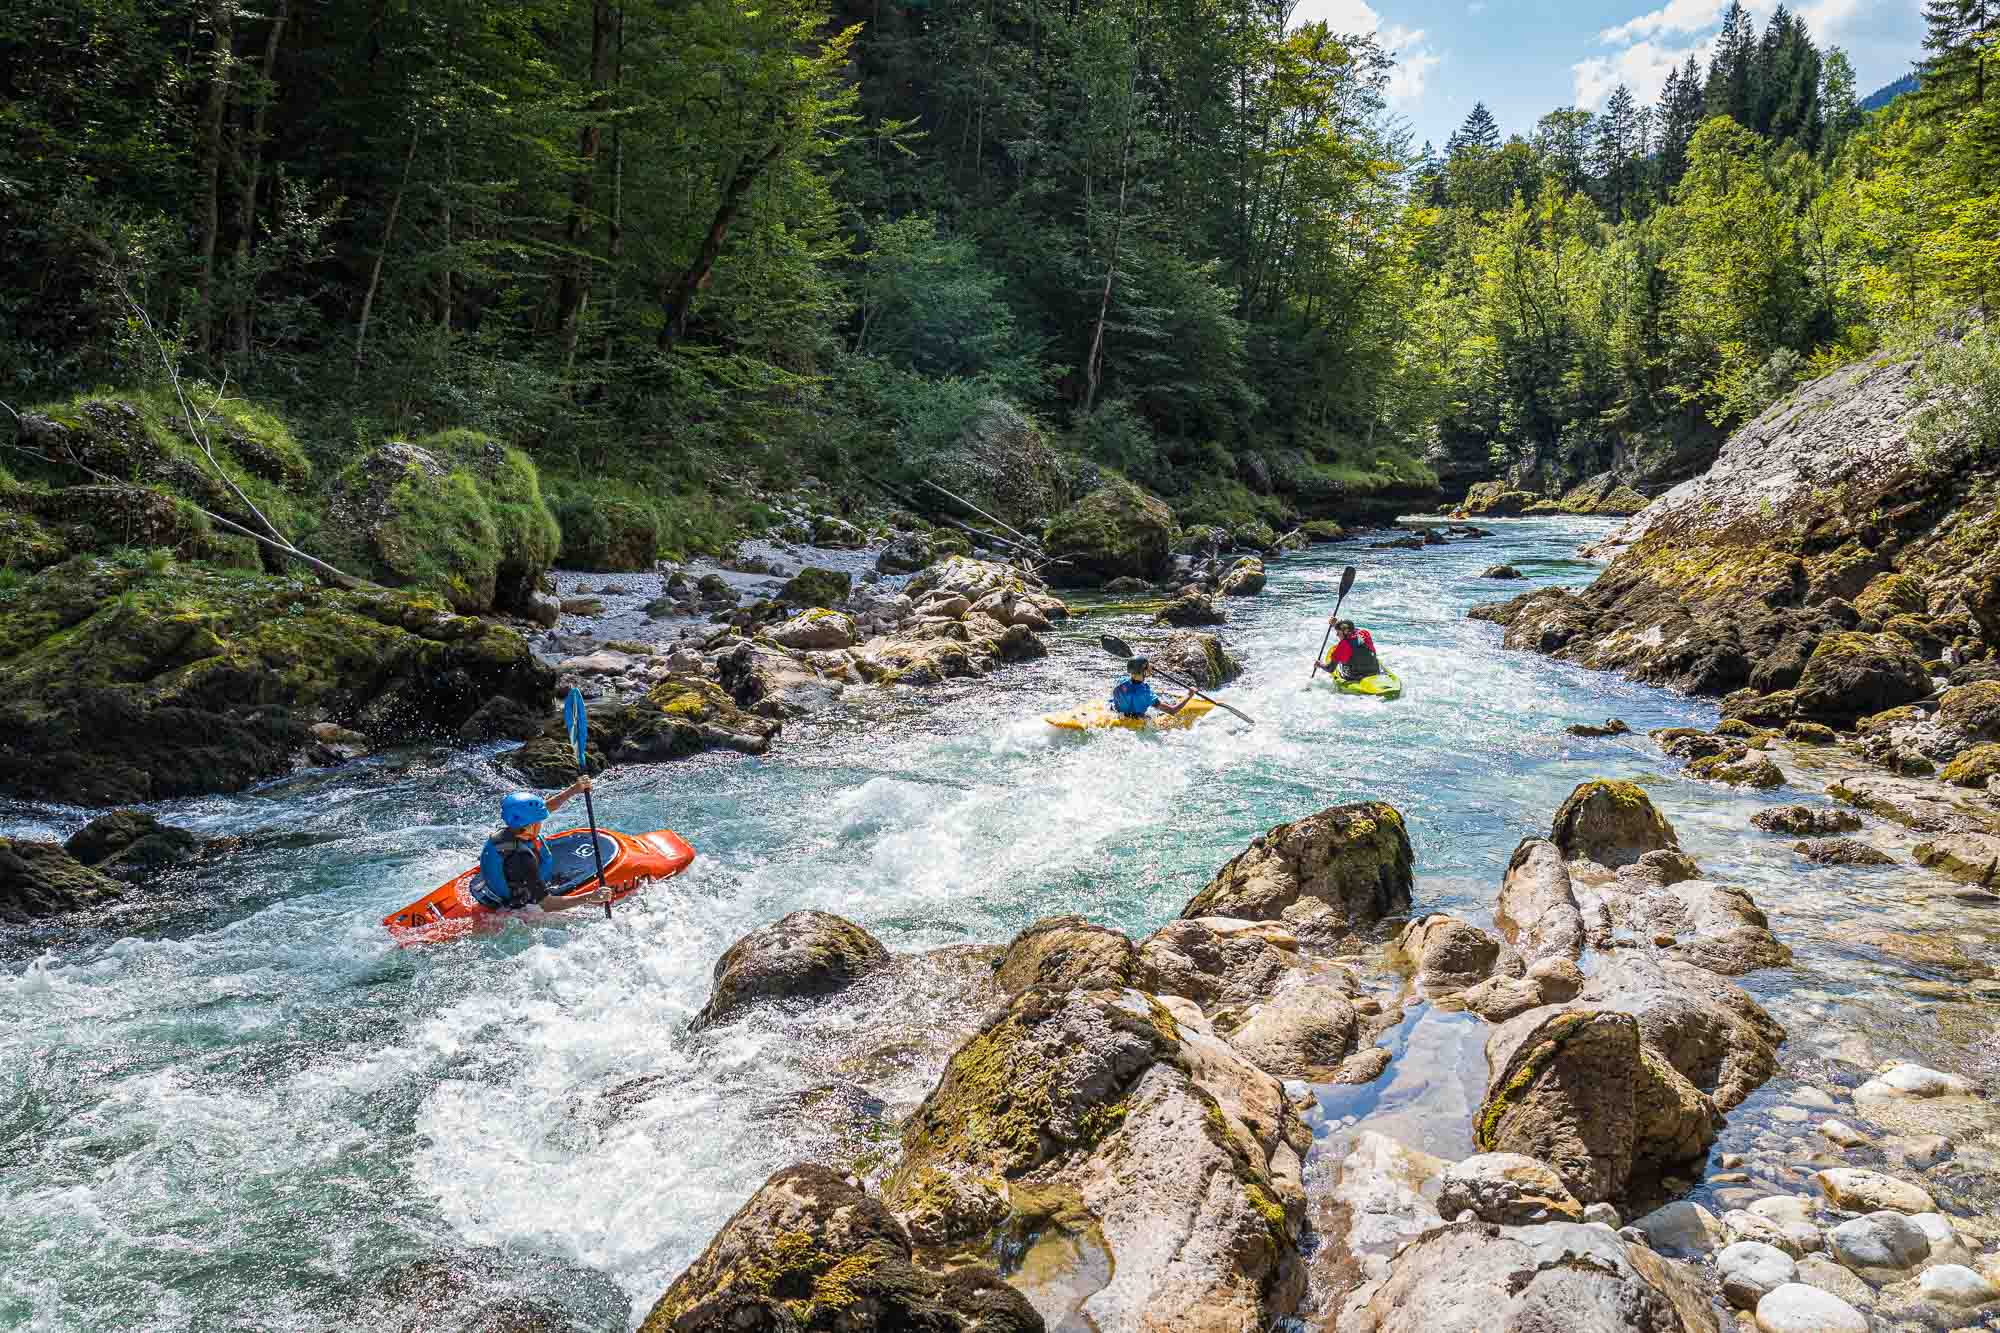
(1643, 67)
(1476, 8)
(1414, 57)
(1677, 16)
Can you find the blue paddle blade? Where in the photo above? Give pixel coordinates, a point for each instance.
(578, 722)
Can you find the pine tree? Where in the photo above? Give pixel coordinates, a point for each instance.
(1730, 90)
(1771, 75)
(1617, 134)
(1681, 109)
(1959, 34)
(1480, 130)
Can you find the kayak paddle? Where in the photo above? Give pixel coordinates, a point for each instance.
(1346, 586)
(578, 722)
(1119, 648)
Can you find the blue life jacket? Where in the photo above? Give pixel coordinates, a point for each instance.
(1133, 698)
(514, 871)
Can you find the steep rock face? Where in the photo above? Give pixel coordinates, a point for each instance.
(1733, 580)
(810, 1252)
(1098, 1121)
(126, 684)
(1331, 876)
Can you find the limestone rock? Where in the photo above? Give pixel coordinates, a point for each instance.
(1331, 876)
(40, 879)
(1383, 1197)
(1189, 610)
(1197, 657)
(1749, 1271)
(815, 631)
(1842, 852)
(1507, 1189)
(1797, 1308)
(1682, 1229)
(1853, 675)
(1245, 578)
(678, 717)
(1115, 531)
(1449, 954)
(1714, 1033)
(1957, 1286)
(1065, 952)
(1095, 1123)
(812, 587)
(812, 1253)
(1806, 820)
(1306, 1030)
(133, 846)
(799, 956)
(1537, 911)
(1859, 1191)
(1879, 1246)
(1610, 823)
(1970, 858)
(1217, 961)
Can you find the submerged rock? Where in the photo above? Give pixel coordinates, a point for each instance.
(1190, 609)
(1806, 820)
(132, 845)
(1096, 1123)
(40, 879)
(800, 956)
(813, 1253)
(1332, 876)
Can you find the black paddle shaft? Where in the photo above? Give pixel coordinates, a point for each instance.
(1346, 586)
(596, 849)
(1117, 647)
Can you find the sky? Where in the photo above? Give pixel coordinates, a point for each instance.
(1525, 58)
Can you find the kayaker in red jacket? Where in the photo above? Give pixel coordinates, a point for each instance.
(1354, 655)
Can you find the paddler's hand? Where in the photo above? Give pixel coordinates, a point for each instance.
(581, 785)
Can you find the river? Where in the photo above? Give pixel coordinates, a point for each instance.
(248, 1111)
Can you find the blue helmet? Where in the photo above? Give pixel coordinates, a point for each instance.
(521, 808)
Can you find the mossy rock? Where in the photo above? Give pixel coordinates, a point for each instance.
(1117, 531)
(612, 536)
(1890, 595)
(1495, 499)
(1003, 462)
(1255, 536)
(1972, 711)
(1621, 502)
(1610, 823)
(126, 683)
(1334, 875)
(1323, 530)
(457, 514)
(816, 587)
(130, 843)
(40, 879)
(679, 717)
(1851, 675)
(1974, 767)
(801, 956)
(1739, 771)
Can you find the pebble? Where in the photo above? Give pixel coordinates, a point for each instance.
(1859, 1191)
(1797, 1308)
(1682, 1229)
(1921, 1151)
(1604, 1213)
(1729, 1178)
(1880, 1246)
(1955, 1284)
(1785, 1208)
(1751, 1270)
(1790, 1115)
(1816, 1270)
(1916, 1081)
(1795, 1238)
(1729, 1161)
(1846, 1135)
(1813, 1097)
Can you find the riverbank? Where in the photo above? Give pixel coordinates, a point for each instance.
(525, 1096)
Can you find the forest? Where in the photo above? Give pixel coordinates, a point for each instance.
(663, 247)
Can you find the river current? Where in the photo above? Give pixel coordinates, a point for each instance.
(251, 1110)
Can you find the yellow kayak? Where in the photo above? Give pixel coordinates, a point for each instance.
(1092, 717)
(1382, 686)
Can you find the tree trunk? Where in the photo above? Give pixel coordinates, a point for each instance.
(246, 213)
(679, 302)
(444, 278)
(388, 232)
(574, 294)
(222, 57)
(614, 238)
(1093, 365)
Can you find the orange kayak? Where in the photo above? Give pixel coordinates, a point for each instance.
(630, 860)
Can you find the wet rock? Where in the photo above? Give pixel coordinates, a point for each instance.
(1332, 876)
(1093, 1121)
(1806, 820)
(1711, 1031)
(1878, 1247)
(1956, 1286)
(1537, 910)
(132, 845)
(1749, 1271)
(1857, 1191)
(1919, 805)
(1306, 1030)
(1197, 657)
(1115, 531)
(1844, 1135)
(1682, 1229)
(811, 1252)
(40, 879)
(1065, 952)
(1576, 1088)
(1448, 954)
(1970, 858)
(1383, 1197)
(1938, 952)
(1217, 961)
(1811, 733)
(1364, 1066)
(1190, 609)
(1507, 1189)
(1974, 768)
(816, 587)
(1472, 1277)
(800, 956)
(1852, 675)
(1795, 1236)
(816, 631)
(1245, 578)
(582, 606)
(1610, 823)
(1797, 1308)
(1842, 852)
(1590, 730)
(678, 717)
(1751, 771)
(1502, 572)
(771, 683)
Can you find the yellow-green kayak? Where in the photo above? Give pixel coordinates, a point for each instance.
(1092, 717)
(1383, 686)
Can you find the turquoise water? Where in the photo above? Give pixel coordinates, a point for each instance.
(246, 1113)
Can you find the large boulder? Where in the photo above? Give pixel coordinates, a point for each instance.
(1191, 609)
(458, 514)
(1711, 1031)
(1117, 531)
(601, 533)
(1331, 876)
(1971, 713)
(678, 717)
(1472, 1277)
(1217, 961)
(1307, 1029)
(40, 879)
(1245, 578)
(126, 684)
(1066, 952)
(1577, 1088)
(1003, 462)
(1610, 823)
(800, 956)
(776, 684)
(1198, 657)
(816, 630)
(1150, 1173)
(811, 1253)
(133, 845)
(1853, 675)
(1537, 912)
(1448, 954)
(1495, 499)
(812, 587)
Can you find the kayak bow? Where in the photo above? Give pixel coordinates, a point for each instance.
(1097, 716)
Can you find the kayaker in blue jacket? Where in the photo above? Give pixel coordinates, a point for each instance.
(516, 867)
(1133, 697)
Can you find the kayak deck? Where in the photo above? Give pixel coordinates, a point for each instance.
(1097, 716)
(1383, 685)
(631, 860)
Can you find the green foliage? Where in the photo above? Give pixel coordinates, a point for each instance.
(1959, 424)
